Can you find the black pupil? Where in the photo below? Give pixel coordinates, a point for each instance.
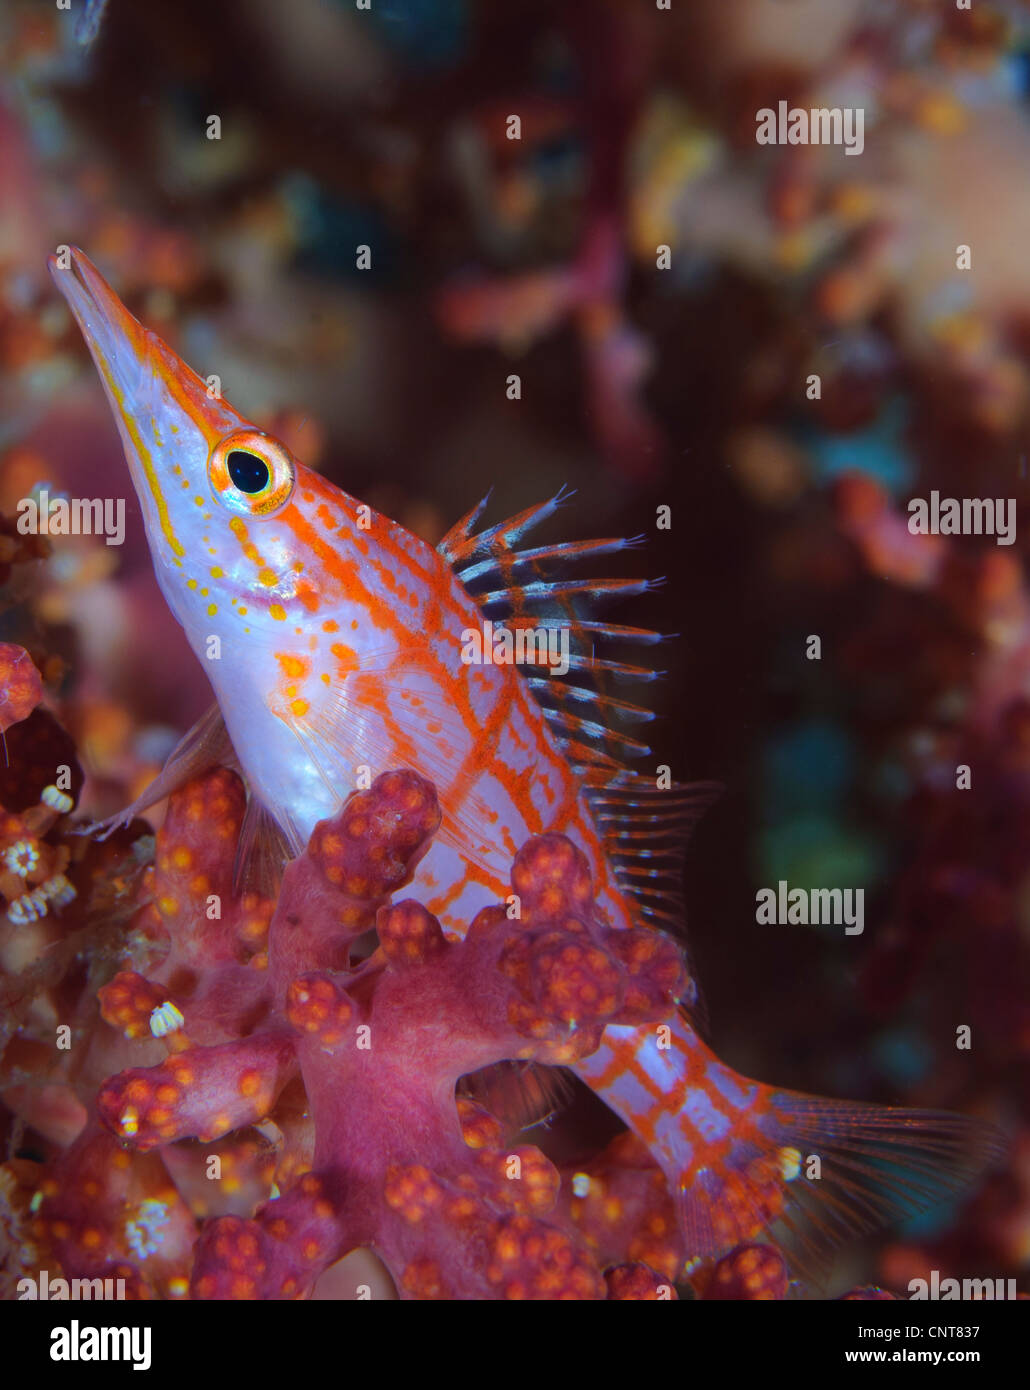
(248, 472)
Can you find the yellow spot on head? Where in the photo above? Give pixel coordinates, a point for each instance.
(269, 578)
(217, 572)
(278, 612)
(212, 609)
(191, 583)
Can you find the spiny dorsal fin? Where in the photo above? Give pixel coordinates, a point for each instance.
(519, 587)
(645, 828)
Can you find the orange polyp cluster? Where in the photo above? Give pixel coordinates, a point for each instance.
(190, 886)
(572, 975)
(750, 1272)
(655, 969)
(105, 1216)
(128, 1002)
(620, 1202)
(550, 875)
(479, 1128)
(422, 1279)
(412, 1191)
(316, 1004)
(535, 1189)
(531, 1261)
(750, 1200)
(236, 1247)
(408, 934)
(573, 980)
(397, 818)
(280, 1250)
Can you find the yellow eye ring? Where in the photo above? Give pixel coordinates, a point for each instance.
(251, 473)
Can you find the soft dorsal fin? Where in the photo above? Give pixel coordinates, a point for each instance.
(646, 832)
(645, 828)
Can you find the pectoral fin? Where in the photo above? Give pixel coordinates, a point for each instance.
(207, 744)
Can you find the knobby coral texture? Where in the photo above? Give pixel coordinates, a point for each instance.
(219, 1019)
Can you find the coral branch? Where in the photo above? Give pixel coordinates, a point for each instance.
(349, 1063)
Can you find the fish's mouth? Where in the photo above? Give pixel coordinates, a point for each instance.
(117, 342)
(122, 350)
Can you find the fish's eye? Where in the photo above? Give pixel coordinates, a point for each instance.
(251, 473)
(248, 472)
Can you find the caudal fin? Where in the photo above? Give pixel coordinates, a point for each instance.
(812, 1173)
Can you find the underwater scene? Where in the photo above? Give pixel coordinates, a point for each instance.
(514, 653)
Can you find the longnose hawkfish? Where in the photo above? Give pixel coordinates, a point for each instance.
(338, 637)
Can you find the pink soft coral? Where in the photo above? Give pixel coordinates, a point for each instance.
(284, 1020)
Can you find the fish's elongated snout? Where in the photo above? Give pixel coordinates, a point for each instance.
(168, 421)
(117, 342)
